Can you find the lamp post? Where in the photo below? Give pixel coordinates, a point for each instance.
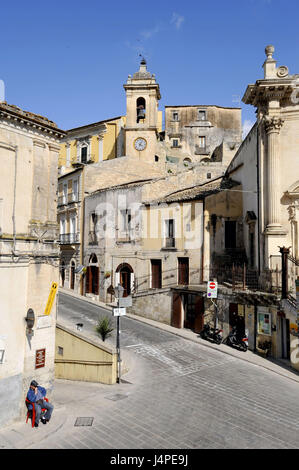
(118, 292)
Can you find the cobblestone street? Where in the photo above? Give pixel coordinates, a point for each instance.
(177, 395)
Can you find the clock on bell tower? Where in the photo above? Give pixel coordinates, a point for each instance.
(143, 95)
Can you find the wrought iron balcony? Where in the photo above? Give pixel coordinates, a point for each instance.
(169, 242)
(92, 238)
(69, 238)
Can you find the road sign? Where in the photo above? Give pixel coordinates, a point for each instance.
(118, 312)
(51, 298)
(125, 301)
(212, 290)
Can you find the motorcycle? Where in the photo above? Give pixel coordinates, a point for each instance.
(236, 341)
(211, 334)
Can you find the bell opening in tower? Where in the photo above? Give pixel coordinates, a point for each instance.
(140, 109)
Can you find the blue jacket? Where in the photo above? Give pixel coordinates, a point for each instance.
(32, 397)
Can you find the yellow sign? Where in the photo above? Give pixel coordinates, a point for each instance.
(51, 298)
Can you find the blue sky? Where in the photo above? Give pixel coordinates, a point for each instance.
(68, 60)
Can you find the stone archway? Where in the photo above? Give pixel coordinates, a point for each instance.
(124, 276)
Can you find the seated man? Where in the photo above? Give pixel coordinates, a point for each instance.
(36, 394)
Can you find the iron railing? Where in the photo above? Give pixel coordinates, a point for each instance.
(68, 238)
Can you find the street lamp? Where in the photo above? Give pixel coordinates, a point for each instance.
(118, 292)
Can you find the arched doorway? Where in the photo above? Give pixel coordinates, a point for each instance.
(62, 273)
(72, 277)
(92, 276)
(124, 276)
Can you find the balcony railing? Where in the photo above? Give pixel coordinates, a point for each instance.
(92, 238)
(63, 200)
(169, 242)
(73, 198)
(69, 238)
(242, 277)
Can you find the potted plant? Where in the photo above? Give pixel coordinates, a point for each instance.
(104, 327)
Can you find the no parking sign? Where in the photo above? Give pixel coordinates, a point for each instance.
(212, 290)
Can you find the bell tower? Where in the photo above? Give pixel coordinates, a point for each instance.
(143, 95)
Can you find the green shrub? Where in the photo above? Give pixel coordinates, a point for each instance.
(104, 327)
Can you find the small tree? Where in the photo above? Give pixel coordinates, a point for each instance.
(104, 327)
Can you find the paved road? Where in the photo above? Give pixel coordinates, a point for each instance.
(181, 395)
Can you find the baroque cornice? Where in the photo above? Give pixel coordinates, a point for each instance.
(14, 117)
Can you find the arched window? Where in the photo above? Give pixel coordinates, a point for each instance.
(140, 109)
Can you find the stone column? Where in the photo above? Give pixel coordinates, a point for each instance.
(273, 126)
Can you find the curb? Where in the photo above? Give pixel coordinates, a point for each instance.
(181, 334)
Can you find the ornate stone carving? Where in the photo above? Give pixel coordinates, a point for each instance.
(282, 71)
(273, 123)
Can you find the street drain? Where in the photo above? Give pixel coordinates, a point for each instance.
(116, 397)
(83, 422)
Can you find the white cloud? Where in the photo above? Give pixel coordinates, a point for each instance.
(177, 20)
(147, 34)
(247, 125)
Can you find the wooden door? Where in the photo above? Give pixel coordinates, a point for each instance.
(176, 317)
(199, 314)
(183, 271)
(88, 280)
(94, 279)
(125, 281)
(72, 280)
(156, 273)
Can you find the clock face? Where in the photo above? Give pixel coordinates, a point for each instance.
(140, 143)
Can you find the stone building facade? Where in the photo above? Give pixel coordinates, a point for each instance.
(250, 240)
(29, 253)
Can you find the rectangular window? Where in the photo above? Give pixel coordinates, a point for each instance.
(169, 233)
(93, 220)
(175, 143)
(175, 116)
(125, 221)
(202, 142)
(2, 356)
(64, 194)
(156, 266)
(84, 154)
(68, 156)
(183, 271)
(230, 234)
(75, 190)
(201, 115)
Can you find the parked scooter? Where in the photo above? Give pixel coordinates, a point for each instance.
(237, 341)
(211, 334)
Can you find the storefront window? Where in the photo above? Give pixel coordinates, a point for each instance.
(264, 323)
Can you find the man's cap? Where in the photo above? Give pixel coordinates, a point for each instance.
(34, 383)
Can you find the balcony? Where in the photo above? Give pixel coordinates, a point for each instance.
(69, 199)
(92, 238)
(69, 238)
(169, 243)
(62, 200)
(73, 198)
